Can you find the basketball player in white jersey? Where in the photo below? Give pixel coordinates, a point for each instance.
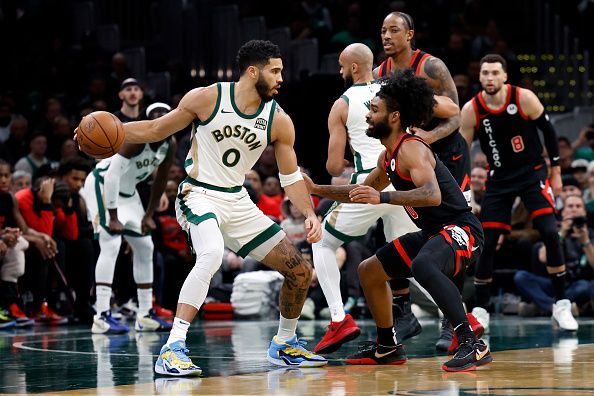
(115, 210)
(233, 124)
(347, 222)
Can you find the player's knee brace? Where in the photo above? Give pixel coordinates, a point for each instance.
(142, 259)
(110, 248)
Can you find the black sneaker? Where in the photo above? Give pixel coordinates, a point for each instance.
(372, 353)
(405, 322)
(470, 355)
(446, 333)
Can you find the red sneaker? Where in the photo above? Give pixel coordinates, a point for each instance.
(20, 317)
(48, 315)
(476, 327)
(337, 334)
(162, 312)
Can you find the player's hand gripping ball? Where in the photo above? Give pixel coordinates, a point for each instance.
(100, 134)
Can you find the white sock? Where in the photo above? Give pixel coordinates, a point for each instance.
(324, 254)
(337, 312)
(103, 297)
(145, 301)
(286, 329)
(178, 331)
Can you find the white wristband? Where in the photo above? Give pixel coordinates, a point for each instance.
(287, 180)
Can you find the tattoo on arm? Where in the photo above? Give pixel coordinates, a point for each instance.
(336, 193)
(419, 197)
(438, 71)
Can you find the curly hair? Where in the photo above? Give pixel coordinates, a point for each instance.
(256, 52)
(408, 94)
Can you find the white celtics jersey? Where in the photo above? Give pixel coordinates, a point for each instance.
(140, 166)
(366, 150)
(228, 144)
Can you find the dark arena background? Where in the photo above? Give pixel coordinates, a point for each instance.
(62, 60)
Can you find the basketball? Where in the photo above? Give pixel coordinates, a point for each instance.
(100, 134)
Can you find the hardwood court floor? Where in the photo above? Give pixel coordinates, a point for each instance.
(529, 359)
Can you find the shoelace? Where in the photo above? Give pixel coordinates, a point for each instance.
(365, 346)
(466, 347)
(181, 353)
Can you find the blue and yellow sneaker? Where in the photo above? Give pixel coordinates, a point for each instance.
(292, 353)
(104, 323)
(174, 361)
(152, 322)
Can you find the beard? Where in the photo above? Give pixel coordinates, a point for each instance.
(380, 130)
(493, 91)
(348, 81)
(263, 90)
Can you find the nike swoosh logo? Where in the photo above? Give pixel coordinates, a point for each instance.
(480, 355)
(456, 157)
(381, 355)
(226, 112)
(555, 158)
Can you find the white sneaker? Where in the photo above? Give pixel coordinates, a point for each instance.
(482, 316)
(562, 316)
(308, 310)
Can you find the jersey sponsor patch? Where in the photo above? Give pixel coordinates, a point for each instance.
(261, 123)
(512, 109)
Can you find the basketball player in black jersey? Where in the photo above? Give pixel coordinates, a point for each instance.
(505, 119)
(450, 237)
(397, 35)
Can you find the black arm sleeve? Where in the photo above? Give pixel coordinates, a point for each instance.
(550, 137)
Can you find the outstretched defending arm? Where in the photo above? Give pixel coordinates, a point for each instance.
(377, 180)
(283, 137)
(418, 161)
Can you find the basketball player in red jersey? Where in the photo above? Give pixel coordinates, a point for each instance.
(442, 134)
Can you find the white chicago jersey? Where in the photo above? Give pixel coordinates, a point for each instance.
(140, 166)
(366, 150)
(228, 144)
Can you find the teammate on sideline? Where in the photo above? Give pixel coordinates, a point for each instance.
(346, 222)
(115, 209)
(398, 31)
(505, 118)
(450, 237)
(233, 123)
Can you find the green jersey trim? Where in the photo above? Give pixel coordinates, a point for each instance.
(345, 98)
(356, 174)
(239, 113)
(269, 127)
(259, 239)
(195, 182)
(358, 162)
(343, 237)
(216, 109)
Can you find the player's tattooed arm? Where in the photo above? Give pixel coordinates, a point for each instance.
(443, 84)
(418, 162)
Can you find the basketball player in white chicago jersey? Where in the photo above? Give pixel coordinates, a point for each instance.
(347, 222)
(115, 210)
(233, 123)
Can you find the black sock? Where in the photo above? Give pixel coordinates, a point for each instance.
(464, 332)
(558, 280)
(386, 336)
(483, 294)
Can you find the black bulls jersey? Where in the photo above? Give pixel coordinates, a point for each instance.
(507, 136)
(417, 60)
(453, 204)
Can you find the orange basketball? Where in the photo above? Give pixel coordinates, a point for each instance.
(100, 134)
